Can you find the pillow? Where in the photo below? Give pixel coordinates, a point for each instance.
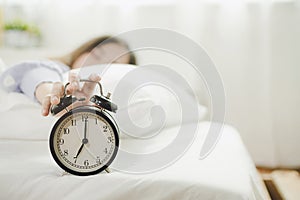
(143, 109)
(148, 98)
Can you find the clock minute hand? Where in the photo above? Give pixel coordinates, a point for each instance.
(85, 140)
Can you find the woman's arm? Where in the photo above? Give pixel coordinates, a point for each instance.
(26, 76)
(42, 81)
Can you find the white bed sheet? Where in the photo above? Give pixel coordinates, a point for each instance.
(27, 171)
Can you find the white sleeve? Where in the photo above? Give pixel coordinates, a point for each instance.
(24, 77)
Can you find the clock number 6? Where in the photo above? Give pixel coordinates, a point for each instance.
(86, 163)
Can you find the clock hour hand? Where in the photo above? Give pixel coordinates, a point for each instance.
(80, 149)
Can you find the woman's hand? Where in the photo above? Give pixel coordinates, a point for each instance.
(50, 93)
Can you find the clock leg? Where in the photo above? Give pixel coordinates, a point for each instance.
(64, 173)
(107, 170)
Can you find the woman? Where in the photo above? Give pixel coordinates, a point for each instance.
(42, 80)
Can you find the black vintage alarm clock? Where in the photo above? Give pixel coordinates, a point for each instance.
(85, 140)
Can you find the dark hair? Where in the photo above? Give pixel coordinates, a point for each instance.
(69, 59)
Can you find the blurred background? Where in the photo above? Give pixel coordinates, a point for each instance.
(255, 45)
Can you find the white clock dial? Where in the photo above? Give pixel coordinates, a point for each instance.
(84, 141)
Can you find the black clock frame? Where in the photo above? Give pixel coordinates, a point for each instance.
(92, 109)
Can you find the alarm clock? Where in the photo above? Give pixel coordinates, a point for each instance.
(85, 140)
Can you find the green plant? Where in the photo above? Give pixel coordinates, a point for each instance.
(19, 25)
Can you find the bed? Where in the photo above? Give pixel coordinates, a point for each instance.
(27, 170)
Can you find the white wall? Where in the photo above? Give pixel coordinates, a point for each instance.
(255, 45)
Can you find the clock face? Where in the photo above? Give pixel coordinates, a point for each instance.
(84, 141)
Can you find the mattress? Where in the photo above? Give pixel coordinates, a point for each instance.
(27, 171)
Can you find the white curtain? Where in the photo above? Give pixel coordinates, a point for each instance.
(255, 45)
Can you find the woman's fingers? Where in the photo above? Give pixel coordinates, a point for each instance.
(46, 104)
(73, 88)
(57, 92)
(53, 98)
(74, 83)
(88, 87)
